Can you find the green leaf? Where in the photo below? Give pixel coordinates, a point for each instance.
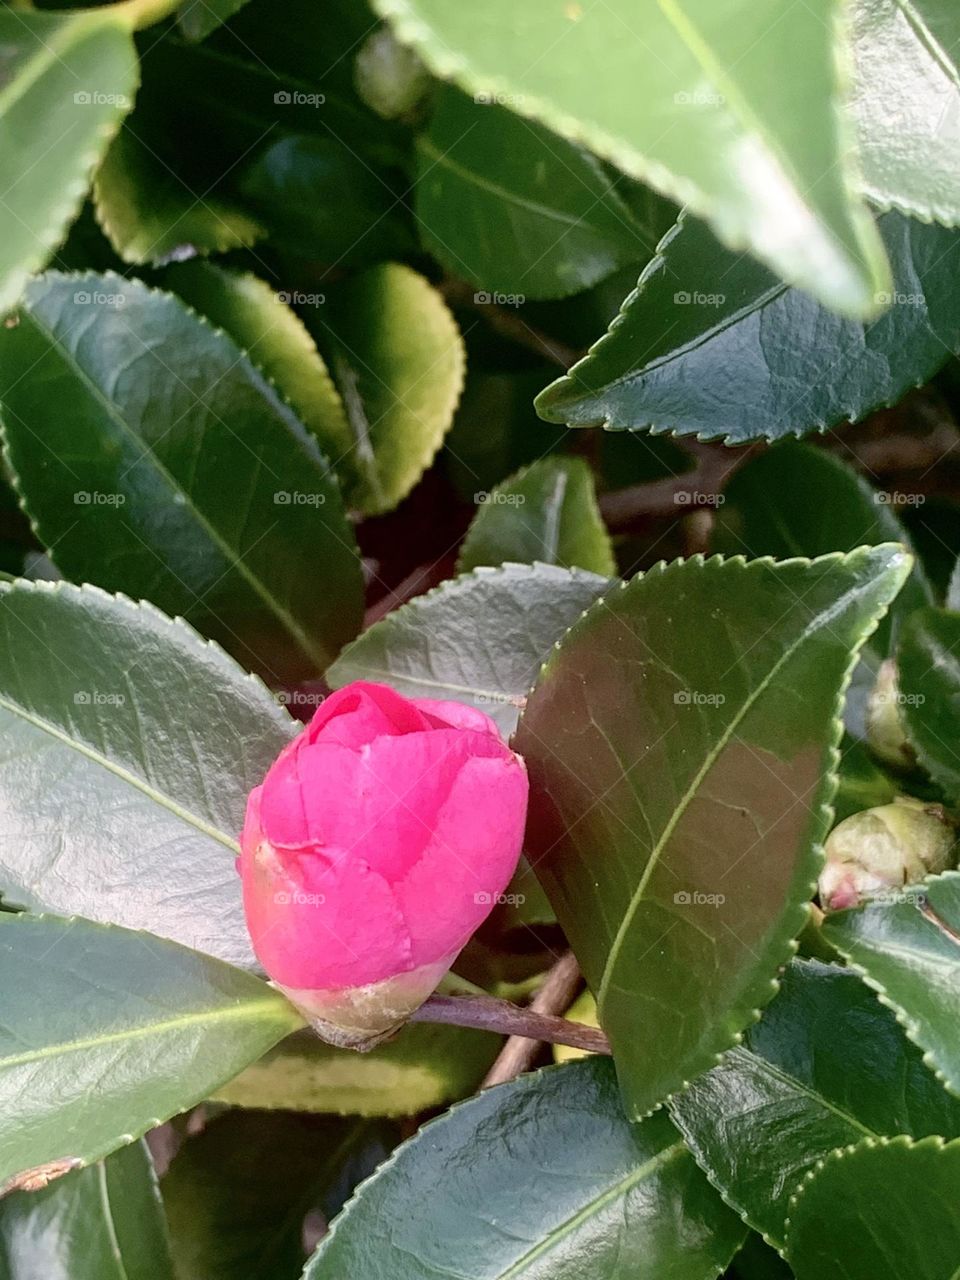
(237, 1194)
(929, 682)
(825, 1066)
(67, 82)
(879, 1211)
(909, 953)
(424, 1066)
(179, 475)
(548, 513)
(681, 745)
(515, 209)
(731, 110)
(600, 1197)
(496, 430)
(101, 1223)
(200, 18)
(907, 104)
(151, 213)
(129, 748)
(398, 359)
(441, 645)
(322, 201)
(700, 311)
(797, 500)
(264, 326)
(106, 1032)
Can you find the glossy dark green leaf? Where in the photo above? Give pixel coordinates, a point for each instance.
(101, 1223)
(518, 210)
(441, 645)
(67, 82)
(712, 344)
(496, 430)
(128, 749)
(398, 360)
(797, 500)
(600, 1197)
(179, 475)
(261, 321)
(929, 675)
(731, 109)
(322, 201)
(827, 1065)
(547, 513)
(236, 1195)
(105, 1032)
(879, 1211)
(907, 104)
(424, 1066)
(909, 953)
(681, 743)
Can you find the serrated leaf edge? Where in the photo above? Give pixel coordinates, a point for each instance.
(911, 1027)
(831, 775)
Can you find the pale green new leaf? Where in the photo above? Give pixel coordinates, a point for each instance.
(66, 82)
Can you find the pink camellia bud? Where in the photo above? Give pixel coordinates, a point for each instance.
(379, 840)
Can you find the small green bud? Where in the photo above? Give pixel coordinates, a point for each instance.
(880, 850)
(886, 733)
(390, 78)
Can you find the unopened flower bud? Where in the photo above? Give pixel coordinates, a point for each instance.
(381, 837)
(880, 850)
(886, 733)
(389, 77)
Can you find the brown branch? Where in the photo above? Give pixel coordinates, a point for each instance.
(531, 1025)
(510, 324)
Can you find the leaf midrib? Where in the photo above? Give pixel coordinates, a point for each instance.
(759, 303)
(926, 37)
(119, 771)
(750, 121)
(248, 1009)
(29, 71)
(232, 557)
(594, 1206)
(823, 619)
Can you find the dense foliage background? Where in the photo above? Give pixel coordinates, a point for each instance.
(306, 307)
